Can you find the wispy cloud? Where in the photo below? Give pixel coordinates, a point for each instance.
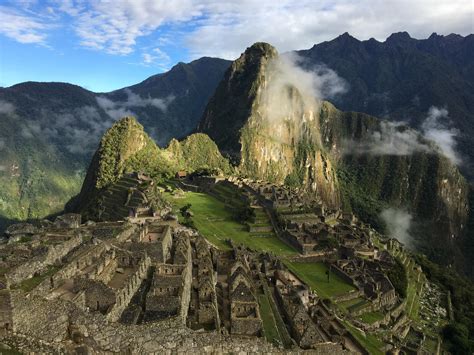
(285, 73)
(396, 138)
(225, 28)
(390, 139)
(156, 56)
(398, 224)
(119, 109)
(6, 107)
(436, 128)
(80, 128)
(115, 27)
(22, 26)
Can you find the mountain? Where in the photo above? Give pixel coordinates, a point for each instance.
(266, 118)
(126, 148)
(402, 78)
(49, 131)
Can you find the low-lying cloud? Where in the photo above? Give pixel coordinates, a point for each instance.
(398, 224)
(6, 107)
(435, 129)
(396, 138)
(80, 128)
(392, 139)
(287, 79)
(119, 109)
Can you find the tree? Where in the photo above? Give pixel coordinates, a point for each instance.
(185, 210)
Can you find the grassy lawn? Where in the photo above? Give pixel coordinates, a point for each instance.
(314, 275)
(371, 343)
(214, 221)
(349, 303)
(371, 317)
(414, 290)
(269, 325)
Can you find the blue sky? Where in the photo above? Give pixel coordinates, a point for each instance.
(104, 45)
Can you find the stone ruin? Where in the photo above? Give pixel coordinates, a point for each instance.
(143, 283)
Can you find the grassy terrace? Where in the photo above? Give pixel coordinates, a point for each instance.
(369, 341)
(371, 317)
(268, 319)
(215, 222)
(314, 275)
(355, 301)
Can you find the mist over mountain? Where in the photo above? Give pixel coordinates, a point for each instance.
(49, 131)
(52, 129)
(403, 79)
(270, 117)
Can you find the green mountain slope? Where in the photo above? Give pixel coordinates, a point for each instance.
(49, 131)
(401, 78)
(126, 148)
(277, 131)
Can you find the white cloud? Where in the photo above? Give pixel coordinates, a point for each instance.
(230, 26)
(398, 224)
(225, 28)
(22, 27)
(395, 138)
(435, 129)
(157, 56)
(119, 109)
(285, 73)
(80, 128)
(115, 26)
(391, 139)
(148, 58)
(6, 107)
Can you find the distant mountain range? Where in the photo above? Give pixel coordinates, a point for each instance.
(49, 131)
(402, 78)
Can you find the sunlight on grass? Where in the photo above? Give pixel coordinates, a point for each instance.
(214, 221)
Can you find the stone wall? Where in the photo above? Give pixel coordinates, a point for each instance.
(5, 310)
(125, 294)
(185, 296)
(247, 326)
(40, 263)
(71, 328)
(342, 275)
(348, 296)
(126, 233)
(85, 257)
(40, 318)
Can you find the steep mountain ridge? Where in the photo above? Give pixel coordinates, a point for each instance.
(401, 78)
(288, 137)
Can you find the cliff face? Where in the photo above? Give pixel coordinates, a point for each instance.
(277, 131)
(381, 165)
(269, 127)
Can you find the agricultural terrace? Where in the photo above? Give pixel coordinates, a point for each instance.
(314, 275)
(215, 222)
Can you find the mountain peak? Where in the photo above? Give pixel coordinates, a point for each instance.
(398, 37)
(261, 49)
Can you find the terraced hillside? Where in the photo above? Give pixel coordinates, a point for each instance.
(129, 196)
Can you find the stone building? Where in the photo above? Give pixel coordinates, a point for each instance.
(244, 309)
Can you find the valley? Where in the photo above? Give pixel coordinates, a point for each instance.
(240, 211)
